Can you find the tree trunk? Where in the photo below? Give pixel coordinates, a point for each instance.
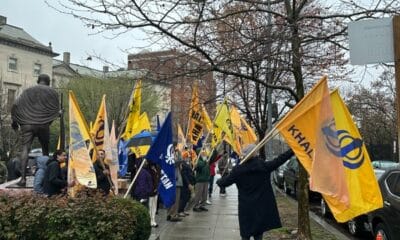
(304, 231)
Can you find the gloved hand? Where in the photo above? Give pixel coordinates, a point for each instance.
(14, 125)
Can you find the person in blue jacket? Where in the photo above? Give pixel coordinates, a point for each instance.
(41, 165)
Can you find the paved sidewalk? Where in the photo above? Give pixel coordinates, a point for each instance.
(220, 222)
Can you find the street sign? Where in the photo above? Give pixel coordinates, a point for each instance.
(371, 41)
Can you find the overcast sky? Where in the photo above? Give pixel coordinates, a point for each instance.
(67, 34)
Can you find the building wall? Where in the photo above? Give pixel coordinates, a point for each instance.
(24, 76)
(180, 72)
(164, 93)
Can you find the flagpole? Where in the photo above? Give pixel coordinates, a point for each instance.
(134, 179)
(274, 131)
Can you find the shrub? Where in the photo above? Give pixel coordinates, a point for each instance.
(27, 216)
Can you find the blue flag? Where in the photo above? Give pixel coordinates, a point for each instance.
(161, 152)
(122, 158)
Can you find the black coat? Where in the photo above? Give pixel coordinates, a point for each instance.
(53, 181)
(257, 206)
(102, 180)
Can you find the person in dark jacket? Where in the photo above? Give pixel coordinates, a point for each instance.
(257, 205)
(143, 185)
(189, 181)
(102, 175)
(223, 169)
(155, 173)
(41, 165)
(53, 182)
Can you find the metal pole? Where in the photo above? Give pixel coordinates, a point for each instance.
(396, 40)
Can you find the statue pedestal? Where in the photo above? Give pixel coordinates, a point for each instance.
(12, 186)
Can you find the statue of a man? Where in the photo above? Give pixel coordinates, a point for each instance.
(33, 112)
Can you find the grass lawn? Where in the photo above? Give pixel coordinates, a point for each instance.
(288, 212)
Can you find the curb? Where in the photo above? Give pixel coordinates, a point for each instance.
(316, 218)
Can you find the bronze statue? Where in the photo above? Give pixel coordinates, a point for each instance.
(33, 112)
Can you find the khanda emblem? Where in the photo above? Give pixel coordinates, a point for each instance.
(99, 136)
(342, 144)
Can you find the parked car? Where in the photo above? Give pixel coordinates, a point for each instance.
(290, 176)
(384, 164)
(277, 175)
(385, 221)
(358, 226)
(291, 179)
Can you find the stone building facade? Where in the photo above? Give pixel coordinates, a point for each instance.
(22, 59)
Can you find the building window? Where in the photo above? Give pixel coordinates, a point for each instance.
(10, 98)
(37, 69)
(12, 64)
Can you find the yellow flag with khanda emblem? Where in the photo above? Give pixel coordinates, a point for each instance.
(364, 192)
(302, 129)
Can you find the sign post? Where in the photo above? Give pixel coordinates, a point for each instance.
(378, 41)
(396, 47)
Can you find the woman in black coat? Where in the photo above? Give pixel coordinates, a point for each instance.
(257, 206)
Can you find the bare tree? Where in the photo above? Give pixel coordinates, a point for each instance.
(311, 33)
(374, 110)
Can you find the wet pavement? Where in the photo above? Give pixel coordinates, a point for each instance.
(220, 222)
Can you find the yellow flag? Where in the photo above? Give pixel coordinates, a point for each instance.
(243, 132)
(195, 127)
(142, 125)
(100, 131)
(305, 129)
(181, 139)
(80, 163)
(364, 191)
(248, 135)
(134, 110)
(216, 136)
(223, 121)
(206, 118)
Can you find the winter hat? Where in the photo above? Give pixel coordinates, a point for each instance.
(246, 150)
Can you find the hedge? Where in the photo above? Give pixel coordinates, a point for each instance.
(27, 216)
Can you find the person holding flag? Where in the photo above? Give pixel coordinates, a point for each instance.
(161, 153)
(258, 211)
(102, 173)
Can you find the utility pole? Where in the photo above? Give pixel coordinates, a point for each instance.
(396, 47)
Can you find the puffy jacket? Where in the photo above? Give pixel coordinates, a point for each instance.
(41, 166)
